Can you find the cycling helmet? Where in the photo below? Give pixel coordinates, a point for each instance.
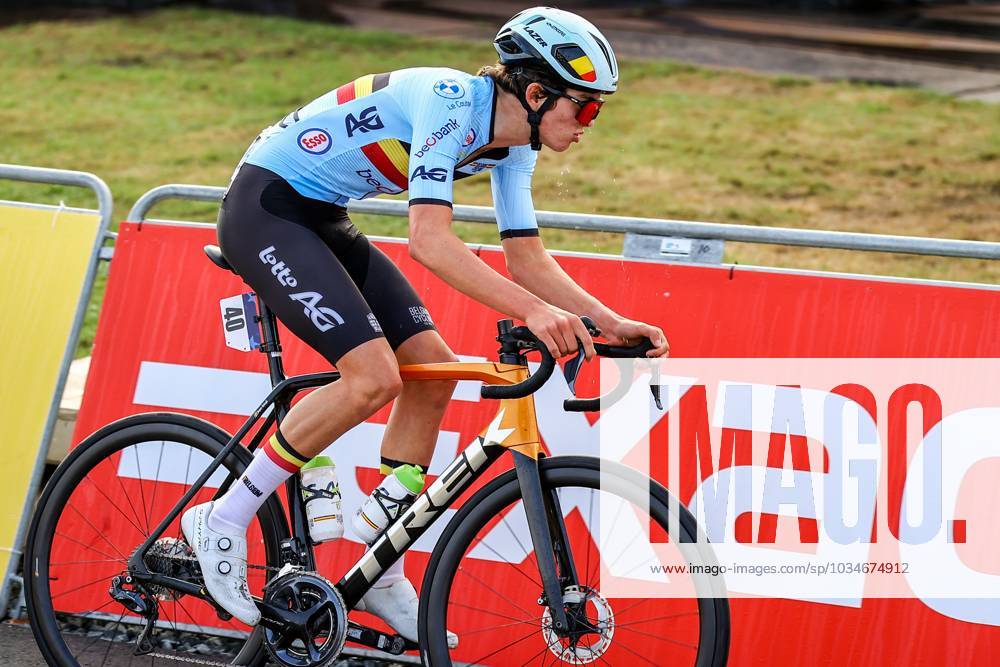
(560, 44)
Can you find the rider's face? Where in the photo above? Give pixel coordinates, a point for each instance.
(560, 127)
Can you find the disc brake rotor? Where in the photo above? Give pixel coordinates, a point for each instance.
(584, 607)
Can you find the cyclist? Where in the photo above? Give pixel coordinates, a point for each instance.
(284, 227)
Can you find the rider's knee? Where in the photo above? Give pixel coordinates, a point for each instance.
(378, 388)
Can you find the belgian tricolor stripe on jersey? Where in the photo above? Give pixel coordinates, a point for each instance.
(388, 156)
(278, 450)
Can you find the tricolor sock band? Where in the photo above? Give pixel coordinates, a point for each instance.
(271, 466)
(282, 453)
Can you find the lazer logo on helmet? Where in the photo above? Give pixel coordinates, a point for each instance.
(438, 174)
(449, 89)
(368, 122)
(535, 36)
(315, 141)
(432, 140)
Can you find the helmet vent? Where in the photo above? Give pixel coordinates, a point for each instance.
(604, 50)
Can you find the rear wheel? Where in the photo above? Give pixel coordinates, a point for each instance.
(100, 505)
(483, 583)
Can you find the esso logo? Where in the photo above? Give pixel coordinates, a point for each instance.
(449, 89)
(470, 138)
(315, 141)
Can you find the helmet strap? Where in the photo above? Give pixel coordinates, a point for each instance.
(535, 118)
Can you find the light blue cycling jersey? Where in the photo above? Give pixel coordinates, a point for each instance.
(413, 129)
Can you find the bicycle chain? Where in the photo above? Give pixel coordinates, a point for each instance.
(194, 661)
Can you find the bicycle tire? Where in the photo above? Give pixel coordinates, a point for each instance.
(496, 497)
(97, 450)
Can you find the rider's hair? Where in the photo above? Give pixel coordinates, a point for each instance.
(515, 79)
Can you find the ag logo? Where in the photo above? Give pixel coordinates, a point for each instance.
(449, 89)
(438, 174)
(470, 138)
(369, 121)
(323, 318)
(315, 141)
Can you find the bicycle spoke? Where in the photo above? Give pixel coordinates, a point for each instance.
(97, 532)
(90, 583)
(516, 569)
(466, 633)
(590, 522)
(661, 638)
(493, 653)
(639, 655)
(193, 622)
(142, 493)
(126, 495)
(112, 503)
(493, 590)
(88, 546)
(657, 618)
(494, 613)
(87, 562)
(156, 478)
(111, 641)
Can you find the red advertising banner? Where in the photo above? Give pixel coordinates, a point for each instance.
(160, 346)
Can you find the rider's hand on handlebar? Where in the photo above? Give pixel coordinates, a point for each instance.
(558, 330)
(625, 332)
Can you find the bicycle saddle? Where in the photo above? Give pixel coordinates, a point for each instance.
(215, 254)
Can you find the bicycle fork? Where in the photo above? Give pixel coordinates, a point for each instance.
(549, 538)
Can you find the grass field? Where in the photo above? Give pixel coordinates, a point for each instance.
(175, 97)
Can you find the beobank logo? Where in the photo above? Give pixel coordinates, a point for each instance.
(315, 141)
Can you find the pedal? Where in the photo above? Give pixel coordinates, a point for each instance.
(393, 644)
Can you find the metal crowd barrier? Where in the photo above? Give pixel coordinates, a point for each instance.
(105, 207)
(913, 245)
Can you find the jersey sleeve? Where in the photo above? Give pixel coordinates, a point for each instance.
(438, 135)
(511, 181)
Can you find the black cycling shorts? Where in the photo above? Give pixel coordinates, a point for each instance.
(309, 263)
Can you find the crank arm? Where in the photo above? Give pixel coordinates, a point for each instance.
(394, 644)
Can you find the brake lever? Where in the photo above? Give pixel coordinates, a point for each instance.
(654, 385)
(572, 369)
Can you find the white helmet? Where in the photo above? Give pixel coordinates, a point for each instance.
(560, 43)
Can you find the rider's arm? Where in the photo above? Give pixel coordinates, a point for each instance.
(435, 245)
(533, 268)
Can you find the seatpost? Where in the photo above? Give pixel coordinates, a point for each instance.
(270, 345)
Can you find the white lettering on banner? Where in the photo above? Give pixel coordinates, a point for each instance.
(968, 437)
(759, 489)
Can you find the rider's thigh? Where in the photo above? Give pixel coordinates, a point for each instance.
(426, 347)
(371, 372)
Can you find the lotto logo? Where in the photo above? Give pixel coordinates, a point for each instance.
(470, 138)
(315, 141)
(449, 89)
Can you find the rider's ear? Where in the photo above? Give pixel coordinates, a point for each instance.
(534, 93)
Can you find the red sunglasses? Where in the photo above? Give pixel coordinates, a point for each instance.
(589, 109)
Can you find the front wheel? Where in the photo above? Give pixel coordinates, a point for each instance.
(483, 584)
(100, 505)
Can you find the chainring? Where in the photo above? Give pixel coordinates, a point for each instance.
(321, 639)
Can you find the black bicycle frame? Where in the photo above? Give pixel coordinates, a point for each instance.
(543, 513)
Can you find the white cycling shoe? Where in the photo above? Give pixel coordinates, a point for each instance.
(223, 560)
(397, 605)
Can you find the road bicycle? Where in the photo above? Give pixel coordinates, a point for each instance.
(111, 581)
